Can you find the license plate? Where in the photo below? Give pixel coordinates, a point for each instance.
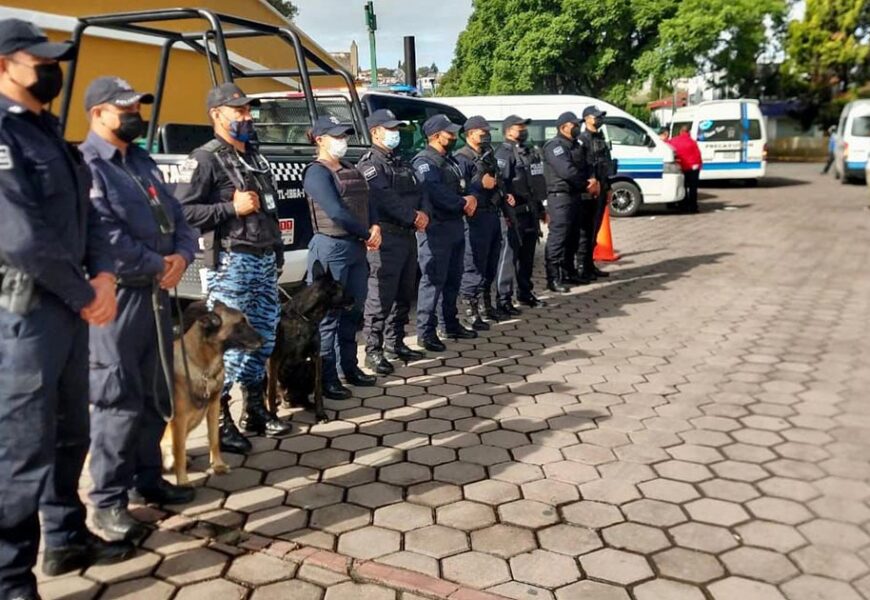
(288, 230)
(730, 155)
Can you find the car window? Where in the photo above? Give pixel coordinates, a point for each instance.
(622, 132)
(861, 126)
(676, 126)
(415, 112)
(286, 120)
(727, 130)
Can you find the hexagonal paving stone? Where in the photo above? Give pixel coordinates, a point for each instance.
(465, 515)
(518, 591)
(516, 472)
(616, 566)
(668, 490)
(436, 541)
(717, 512)
(412, 562)
(834, 533)
(431, 455)
(683, 471)
(550, 492)
(277, 520)
(776, 536)
(404, 474)
(358, 591)
(654, 512)
(403, 516)
(145, 587)
(534, 454)
(292, 477)
(738, 588)
(218, 588)
(434, 493)
(270, 461)
(570, 540)
(140, 565)
(254, 499)
(260, 569)
(350, 475)
(812, 587)
(588, 454)
(733, 491)
(325, 458)
(707, 538)
(340, 518)
(369, 542)
(571, 472)
(688, 565)
(591, 589)
(296, 589)
(374, 495)
(594, 515)
(609, 490)
(492, 492)
(503, 540)
(664, 589)
(303, 443)
(828, 561)
(459, 473)
(354, 442)
(779, 510)
(635, 538)
(528, 513)
(544, 569)
(192, 566)
(475, 569)
(315, 496)
(484, 455)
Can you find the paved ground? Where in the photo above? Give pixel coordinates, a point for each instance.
(696, 427)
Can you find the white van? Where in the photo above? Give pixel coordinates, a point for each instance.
(647, 172)
(853, 142)
(731, 135)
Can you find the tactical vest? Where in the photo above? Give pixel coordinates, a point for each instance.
(354, 192)
(490, 197)
(402, 179)
(528, 183)
(451, 174)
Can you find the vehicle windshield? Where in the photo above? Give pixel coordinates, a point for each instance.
(861, 126)
(285, 120)
(414, 111)
(727, 130)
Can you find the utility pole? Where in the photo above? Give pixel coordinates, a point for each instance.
(372, 24)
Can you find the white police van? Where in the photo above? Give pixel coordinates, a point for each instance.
(853, 142)
(647, 173)
(731, 135)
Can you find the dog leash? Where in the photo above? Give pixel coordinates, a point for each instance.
(168, 373)
(292, 304)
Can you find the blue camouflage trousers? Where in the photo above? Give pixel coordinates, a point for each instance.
(248, 283)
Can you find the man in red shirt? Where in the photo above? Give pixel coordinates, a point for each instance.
(689, 156)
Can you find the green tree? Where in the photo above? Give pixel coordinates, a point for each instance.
(285, 7)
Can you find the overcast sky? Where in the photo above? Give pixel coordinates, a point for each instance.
(436, 24)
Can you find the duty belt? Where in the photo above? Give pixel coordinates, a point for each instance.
(522, 209)
(397, 229)
(135, 281)
(229, 246)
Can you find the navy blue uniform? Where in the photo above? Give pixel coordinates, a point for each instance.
(48, 232)
(128, 392)
(442, 245)
(603, 165)
(342, 227)
(482, 230)
(397, 196)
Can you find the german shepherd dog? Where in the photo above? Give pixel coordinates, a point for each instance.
(198, 384)
(295, 369)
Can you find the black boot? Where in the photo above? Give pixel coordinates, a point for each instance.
(599, 273)
(376, 361)
(231, 438)
(117, 524)
(256, 418)
(81, 554)
(472, 311)
(508, 308)
(490, 312)
(554, 281)
(457, 332)
(403, 352)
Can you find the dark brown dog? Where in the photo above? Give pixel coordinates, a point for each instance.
(295, 367)
(198, 385)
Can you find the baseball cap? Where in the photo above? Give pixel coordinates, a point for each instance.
(593, 111)
(438, 123)
(567, 117)
(330, 126)
(17, 34)
(113, 90)
(384, 118)
(512, 120)
(229, 94)
(476, 122)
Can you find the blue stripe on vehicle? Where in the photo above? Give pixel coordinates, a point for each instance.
(744, 138)
(642, 174)
(730, 166)
(856, 165)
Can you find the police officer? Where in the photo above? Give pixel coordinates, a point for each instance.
(345, 226)
(522, 172)
(57, 276)
(483, 229)
(152, 245)
(398, 199)
(442, 244)
(603, 167)
(227, 191)
(570, 204)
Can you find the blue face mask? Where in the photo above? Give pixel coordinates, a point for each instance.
(392, 139)
(243, 130)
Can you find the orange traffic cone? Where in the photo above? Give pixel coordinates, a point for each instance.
(604, 240)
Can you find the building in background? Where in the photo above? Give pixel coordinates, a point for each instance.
(350, 60)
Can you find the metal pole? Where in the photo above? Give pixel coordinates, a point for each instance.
(372, 23)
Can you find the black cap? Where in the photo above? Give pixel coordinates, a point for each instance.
(593, 111)
(16, 34)
(384, 118)
(567, 117)
(438, 123)
(113, 90)
(330, 126)
(229, 94)
(476, 122)
(512, 120)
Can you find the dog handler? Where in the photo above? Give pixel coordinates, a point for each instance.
(345, 224)
(152, 245)
(56, 278)
(227, 191)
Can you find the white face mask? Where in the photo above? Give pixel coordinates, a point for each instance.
(392, 139)
(337, 147)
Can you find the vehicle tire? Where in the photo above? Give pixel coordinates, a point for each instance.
(751, 183)
(627, 199)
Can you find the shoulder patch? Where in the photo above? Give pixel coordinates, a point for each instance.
(186, 170)
(423, 168)
(17, 109)
(558, 151)
(370, 173)
(5, 158)
(502, 163)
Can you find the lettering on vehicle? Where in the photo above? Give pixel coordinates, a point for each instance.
(5, 158)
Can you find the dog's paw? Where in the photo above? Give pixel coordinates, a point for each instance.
(220, 469)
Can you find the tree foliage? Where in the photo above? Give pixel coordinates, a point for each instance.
(285, 7)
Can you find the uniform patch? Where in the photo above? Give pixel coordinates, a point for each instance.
(370, 173)
(187, 169)
(423, 168)
(96, 192)
(558, 151)
(502, 163)
(5, 158)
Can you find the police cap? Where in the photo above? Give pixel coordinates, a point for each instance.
(567, 117)
(512, 120)
(384, 118)
(476, 122)
(330, 126)
(229, 94)
(113, 90)
(593, 111)
(16, 34)
(438, 123)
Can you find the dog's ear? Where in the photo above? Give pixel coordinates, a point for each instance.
(316, 270)
(210, 323)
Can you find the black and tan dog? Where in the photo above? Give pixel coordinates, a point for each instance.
(295, 367)
(198, 384)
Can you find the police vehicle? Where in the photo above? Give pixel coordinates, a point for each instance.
(647, 172)
(731, 135)
(853, 142)
(209, 33)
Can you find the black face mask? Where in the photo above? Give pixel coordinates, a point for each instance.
(48, 84)
(486, 139)
(598, 123)
(450, 145)
(132, 126)
(523, 136)
(575, 131)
